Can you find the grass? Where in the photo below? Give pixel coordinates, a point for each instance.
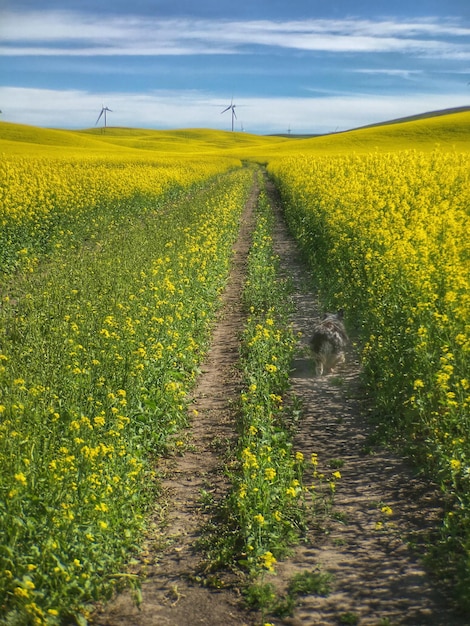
(263, 596)
(313, 582)
(264, 511)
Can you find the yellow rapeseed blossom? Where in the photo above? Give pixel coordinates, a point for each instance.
(270, 473)
(267, 561)
(21, 478)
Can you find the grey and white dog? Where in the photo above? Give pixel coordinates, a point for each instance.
(328, 342)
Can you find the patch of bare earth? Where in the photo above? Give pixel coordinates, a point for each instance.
(378, 579)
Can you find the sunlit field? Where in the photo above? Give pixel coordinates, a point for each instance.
(46, 202)
(114, 249)
(111, 278)
(387, 237)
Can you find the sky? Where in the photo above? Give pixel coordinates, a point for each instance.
(298, 66)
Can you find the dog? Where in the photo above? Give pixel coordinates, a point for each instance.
(328, 342)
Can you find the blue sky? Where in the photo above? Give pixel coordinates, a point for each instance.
(304, 65)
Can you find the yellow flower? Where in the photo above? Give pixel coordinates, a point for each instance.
(387, 510)
(250, 460)
(269, 473)
(21, 478)
(267, 560)
(259, 519)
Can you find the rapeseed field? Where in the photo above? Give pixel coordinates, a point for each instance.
(387, 237)
(111, 274)
(114, 248)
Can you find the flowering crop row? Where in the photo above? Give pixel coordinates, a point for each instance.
(268, 493)
(268, 488)
(99, 348)
(43, 199)
(387, 237)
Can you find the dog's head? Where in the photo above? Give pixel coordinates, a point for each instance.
(339, 315)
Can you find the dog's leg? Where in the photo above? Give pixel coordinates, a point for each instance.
(338, 360)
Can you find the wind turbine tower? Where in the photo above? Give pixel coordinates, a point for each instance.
(231, 107)
(103, 112)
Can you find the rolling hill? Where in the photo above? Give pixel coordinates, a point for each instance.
(447, 130)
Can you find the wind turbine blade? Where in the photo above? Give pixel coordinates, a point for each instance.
(234, 114)
(99, 117)
(229, 107)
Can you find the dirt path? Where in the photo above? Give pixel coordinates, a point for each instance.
(377, 580)
(170, 598)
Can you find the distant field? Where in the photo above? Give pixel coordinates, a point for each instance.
(447, 132)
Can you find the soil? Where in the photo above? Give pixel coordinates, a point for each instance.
(371, 552)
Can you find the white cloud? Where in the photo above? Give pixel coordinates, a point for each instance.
(192, 109)
(389, 72)
(80, 34)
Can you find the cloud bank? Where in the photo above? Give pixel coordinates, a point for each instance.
(167, 109)
(51, 33)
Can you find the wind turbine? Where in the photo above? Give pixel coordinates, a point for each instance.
(231, 107)
(104, 110)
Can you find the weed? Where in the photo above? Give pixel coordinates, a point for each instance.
(339, 516)
(336, 463)
(348, 618)
(261, 596)
(312, 582)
